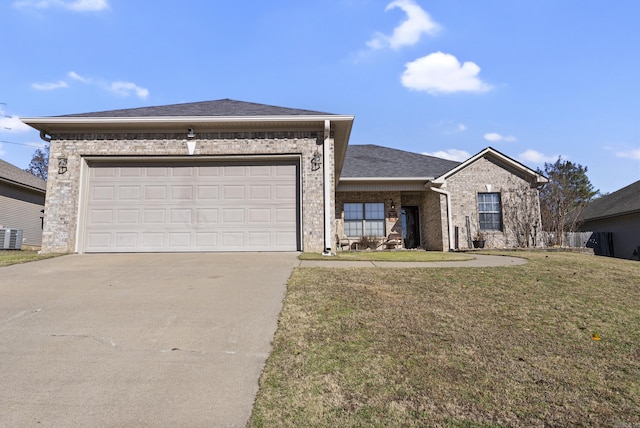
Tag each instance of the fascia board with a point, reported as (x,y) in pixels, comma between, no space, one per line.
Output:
(35,121)
(517,165)
(375,179)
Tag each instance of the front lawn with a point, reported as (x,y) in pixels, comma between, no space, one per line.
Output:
(13,257)
(390,256)
(555,342)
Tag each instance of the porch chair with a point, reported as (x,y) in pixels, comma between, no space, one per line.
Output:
(343,242)
(393,241)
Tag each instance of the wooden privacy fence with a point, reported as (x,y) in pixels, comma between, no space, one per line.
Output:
(570,239)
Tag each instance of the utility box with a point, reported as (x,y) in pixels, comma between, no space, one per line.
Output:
(10,239)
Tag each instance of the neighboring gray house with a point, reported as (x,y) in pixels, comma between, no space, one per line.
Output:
(234,176)
(21,201)
(617,214)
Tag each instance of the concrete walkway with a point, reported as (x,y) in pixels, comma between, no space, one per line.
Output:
(135,340)
(481,260)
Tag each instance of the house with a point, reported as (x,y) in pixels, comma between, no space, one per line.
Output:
(435,203)
(616,217)
(21,203)
(228,175)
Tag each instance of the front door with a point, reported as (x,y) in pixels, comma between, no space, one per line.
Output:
(411,227)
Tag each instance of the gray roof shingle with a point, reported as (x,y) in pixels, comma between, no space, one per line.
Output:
(370,160)
(223,108)
(12,173)
(623,201)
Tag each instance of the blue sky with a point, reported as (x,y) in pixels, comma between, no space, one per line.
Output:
(533,79)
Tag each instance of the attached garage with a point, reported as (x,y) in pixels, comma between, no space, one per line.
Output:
(221,175)
(182,206)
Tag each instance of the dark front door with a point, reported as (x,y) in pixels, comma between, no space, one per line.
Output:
(411,227)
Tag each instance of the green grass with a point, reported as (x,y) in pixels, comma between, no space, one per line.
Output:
(389,256)
(8,258)
(468,347)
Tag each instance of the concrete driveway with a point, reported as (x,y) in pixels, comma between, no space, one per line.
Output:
(137,339)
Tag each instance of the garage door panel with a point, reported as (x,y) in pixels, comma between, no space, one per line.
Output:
(206,207)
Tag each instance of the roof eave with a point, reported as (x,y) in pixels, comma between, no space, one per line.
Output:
(23,185)
(375,179)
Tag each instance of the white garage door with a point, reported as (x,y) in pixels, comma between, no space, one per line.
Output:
(192,207)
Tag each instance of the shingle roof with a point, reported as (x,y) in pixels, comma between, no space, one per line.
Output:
(225,107)
(16,175)
(370,160)
(623,201)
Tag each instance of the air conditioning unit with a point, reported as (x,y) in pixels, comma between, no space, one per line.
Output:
(10,239)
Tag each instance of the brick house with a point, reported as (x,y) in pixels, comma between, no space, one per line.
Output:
(435,203)
(21,201)
(234,176)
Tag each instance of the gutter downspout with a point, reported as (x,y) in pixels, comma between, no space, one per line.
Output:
(45,137)
(327,188)
(449,217)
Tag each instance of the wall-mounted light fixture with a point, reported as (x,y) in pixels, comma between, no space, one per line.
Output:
(191,133)
(62,165)
(392,211)
(316,161)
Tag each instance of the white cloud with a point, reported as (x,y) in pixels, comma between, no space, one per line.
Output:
(2,152)
(128,88)
(451,154)
(408,33)
(536,157)
(631,154)
(495,137)
(442,73)
(12,124)
(50,86)
(76,5)
(75,76)
(124,89)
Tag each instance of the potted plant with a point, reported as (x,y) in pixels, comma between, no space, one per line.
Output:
(479,240)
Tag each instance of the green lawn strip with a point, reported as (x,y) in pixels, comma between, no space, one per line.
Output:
(509,346)
(390,256)
(8,258)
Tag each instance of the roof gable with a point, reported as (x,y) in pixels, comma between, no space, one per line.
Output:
(12,174)
(372,161)
(494,154)
(218,108)
(623,201)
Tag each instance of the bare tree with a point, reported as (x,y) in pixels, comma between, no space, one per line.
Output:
(39,165)
(521,213)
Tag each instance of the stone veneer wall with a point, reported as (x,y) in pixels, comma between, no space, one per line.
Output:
(63,190)
(482,176)
(435,209)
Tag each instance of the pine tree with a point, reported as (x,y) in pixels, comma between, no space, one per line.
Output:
(564,197)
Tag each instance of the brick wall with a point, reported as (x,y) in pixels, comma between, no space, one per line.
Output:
(518,196)
(63,190)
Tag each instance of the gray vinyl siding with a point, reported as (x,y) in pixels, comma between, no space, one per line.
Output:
(20,209)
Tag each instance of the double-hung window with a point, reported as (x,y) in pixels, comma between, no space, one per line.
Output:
(490,211)
(364,219)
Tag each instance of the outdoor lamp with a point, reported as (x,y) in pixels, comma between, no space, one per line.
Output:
(62,165)
(316,161)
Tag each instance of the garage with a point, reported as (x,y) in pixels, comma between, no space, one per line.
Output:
(191,206)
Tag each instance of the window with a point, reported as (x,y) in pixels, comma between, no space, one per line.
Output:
(364,219)
(490,211)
